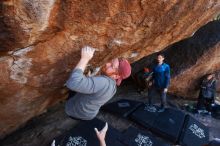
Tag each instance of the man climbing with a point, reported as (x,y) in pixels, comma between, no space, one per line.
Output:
(93,92)
(161,80)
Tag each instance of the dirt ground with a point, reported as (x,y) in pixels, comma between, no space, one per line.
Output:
(41,130)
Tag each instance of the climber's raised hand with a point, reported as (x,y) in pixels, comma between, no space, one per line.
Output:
(86,54)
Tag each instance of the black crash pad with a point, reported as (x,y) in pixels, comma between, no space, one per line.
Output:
(216,111)
(122,107)
(84,135)
(145,115)
(136,137)
(194,133)
(169,124)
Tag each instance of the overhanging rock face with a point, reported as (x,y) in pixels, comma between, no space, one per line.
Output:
(197,57)
(40,43)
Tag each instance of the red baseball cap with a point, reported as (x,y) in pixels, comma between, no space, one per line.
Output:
(124,70)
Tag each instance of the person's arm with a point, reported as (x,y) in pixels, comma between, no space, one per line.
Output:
(53,143)
(101,134)
(78,81)
(214,91)
(167,78)
(203,84)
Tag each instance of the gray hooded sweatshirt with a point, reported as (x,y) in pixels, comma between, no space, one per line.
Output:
(92,93)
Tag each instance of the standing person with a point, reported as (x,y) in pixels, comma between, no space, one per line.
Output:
(207,93)
(161,80)
(93,92)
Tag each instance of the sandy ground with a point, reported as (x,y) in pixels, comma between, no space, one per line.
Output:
(41,130)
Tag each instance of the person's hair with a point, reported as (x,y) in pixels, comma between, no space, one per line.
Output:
(161,54)
(211,74)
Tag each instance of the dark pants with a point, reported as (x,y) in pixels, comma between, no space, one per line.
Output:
(204,103)
(155,92)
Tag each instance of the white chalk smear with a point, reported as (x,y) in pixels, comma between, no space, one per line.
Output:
(21,65)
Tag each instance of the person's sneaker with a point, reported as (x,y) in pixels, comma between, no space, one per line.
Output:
(150,108)
(203,112)
(160,110)
(142,92)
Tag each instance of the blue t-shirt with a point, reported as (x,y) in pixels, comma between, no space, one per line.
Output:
(161,75)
